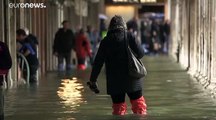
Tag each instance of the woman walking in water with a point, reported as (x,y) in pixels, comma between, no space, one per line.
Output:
(113,52)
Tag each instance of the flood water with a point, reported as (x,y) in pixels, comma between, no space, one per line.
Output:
(169,91)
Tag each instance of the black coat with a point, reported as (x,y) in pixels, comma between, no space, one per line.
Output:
(112,52)
(27,44)
(33,40)
(64,41)
(5,57)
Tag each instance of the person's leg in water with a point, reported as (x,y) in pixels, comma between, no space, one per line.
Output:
(81,64)
(138,103)
(24,73)
(151,47)
(33,73)
(119,106)
(60,63)
(68,62)
(1,98)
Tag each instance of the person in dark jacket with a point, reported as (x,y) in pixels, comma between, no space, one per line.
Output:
(132,26)
(5,61)
(155,34)
(5,65)
(103,29)
(32,39)
(167,36)
(113,53)
(27,49)
(63,44)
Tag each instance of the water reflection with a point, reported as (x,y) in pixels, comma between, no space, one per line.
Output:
(71,93)
(170,96)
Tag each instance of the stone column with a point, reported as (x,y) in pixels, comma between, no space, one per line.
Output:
(199,34)
(9,29)
(167,9)
(213,42)
(212,74)
(2,21)
(193,21)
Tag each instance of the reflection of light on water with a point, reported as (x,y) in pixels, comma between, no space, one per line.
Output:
(74,78)
(66,119)
(71,93)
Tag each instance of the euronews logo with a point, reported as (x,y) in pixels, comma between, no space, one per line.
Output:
(27,5)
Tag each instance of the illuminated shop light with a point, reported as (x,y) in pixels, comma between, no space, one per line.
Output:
(136,1)
(146,1)
(125,0)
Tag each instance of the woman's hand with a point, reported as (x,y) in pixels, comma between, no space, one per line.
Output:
(93,86)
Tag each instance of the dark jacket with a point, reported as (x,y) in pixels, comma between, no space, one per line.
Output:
(112,52)
(64,41)
(167,29)
(27,45)
(132,24)
(33,40)
(5,57)
(5,61)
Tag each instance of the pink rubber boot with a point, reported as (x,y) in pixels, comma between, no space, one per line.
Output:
(119,109)
(81,67)
(139,106)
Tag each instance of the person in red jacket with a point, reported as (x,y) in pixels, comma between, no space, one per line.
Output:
(82,49)
(5,65)
(5,61)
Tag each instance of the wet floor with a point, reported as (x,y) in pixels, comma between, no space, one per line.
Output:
(169,91)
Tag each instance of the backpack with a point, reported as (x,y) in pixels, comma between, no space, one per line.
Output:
(5,57)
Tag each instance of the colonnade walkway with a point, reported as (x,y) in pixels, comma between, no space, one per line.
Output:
(170,92)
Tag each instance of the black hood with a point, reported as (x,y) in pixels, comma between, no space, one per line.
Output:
(117,29)
(117,22)
(116,35)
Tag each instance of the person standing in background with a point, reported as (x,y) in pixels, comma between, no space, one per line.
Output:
(132,25)
(155,37)
(144,38)
(93,36)
(82,49)
(161,36)
(90,35)
(103,29)
(63,44)
(167,36)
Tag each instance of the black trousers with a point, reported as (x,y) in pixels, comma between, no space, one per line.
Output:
(120,98)
(1,80)
(81,61)
(67,57)
(33,73)
(1,98)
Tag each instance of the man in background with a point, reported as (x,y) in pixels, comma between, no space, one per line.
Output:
(25,46)
(132,25)
(63,44)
